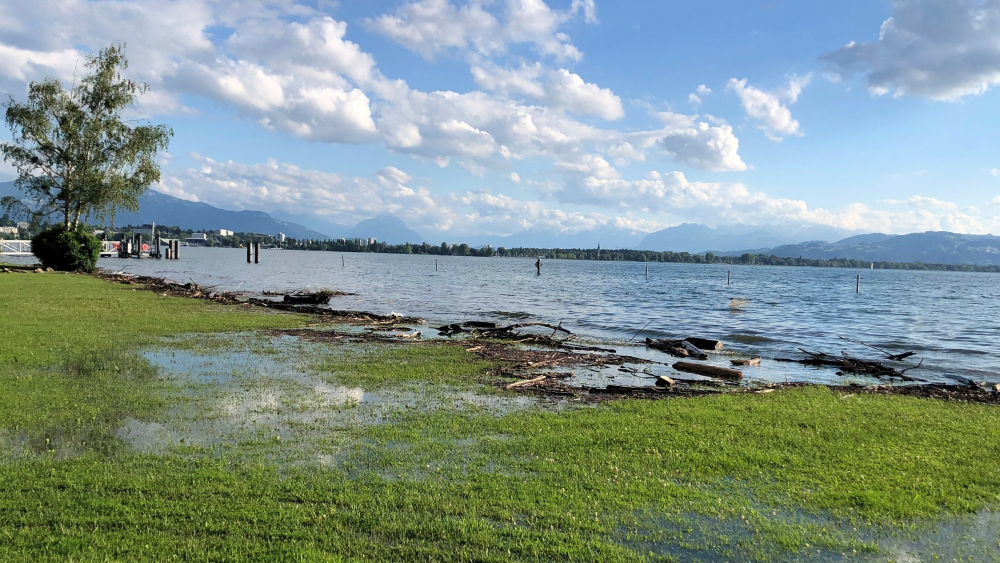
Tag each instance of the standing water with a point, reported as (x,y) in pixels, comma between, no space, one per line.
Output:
(949,318)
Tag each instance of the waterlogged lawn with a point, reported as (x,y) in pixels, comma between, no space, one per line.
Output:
(272,456)
(390,365)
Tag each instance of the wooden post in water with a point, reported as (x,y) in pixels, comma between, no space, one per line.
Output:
(857,289)
(647,272)
(249,253)
(177,249)
(729,277)
(435,264)
(256,253)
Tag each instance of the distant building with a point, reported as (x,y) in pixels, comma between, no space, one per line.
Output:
(8,230)
(23,225)
(197,239)
(148,231)
(225,233)
(281,237)
(371,242)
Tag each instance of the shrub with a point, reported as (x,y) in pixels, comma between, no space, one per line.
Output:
(66,250)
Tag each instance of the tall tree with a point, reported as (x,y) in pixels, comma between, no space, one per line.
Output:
(76,156)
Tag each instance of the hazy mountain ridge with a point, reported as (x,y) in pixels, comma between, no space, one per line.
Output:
(938,247)
(932,247)
(695,238)
(385,228)
(168,210)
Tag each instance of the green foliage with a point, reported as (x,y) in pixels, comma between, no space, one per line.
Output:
(388,365)
(74,153)
(66,250)
(791,475)
(52,317)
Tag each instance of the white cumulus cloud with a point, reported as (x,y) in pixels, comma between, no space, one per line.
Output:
(770,109)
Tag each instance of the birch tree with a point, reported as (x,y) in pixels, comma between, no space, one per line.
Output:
(76,156)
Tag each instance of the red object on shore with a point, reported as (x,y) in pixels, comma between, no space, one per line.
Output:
(116,245)
(145,248)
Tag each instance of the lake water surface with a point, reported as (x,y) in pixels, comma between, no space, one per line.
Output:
(951,319)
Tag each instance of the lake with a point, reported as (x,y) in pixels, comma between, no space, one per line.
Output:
(949,318)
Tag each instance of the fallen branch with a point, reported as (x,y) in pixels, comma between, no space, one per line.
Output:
(889,355)
(708,370)
(527,382)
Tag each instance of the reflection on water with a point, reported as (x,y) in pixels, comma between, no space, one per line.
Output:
(240,391)
(949,318)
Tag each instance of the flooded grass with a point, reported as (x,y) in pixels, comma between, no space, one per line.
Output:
(240,445)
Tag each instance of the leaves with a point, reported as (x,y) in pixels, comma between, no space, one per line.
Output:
(74,153)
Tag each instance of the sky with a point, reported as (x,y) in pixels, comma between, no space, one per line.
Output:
(493,117)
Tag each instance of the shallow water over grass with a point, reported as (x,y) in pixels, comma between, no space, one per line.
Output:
(377,411)
(244,392)
(254,447)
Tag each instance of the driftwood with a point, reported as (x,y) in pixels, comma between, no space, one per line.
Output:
(705,343)
(525,382)
(321,297)
(664,381)
(708,370)
(643,391)
(889,355)
(853,366)
(755,361)
(678,348)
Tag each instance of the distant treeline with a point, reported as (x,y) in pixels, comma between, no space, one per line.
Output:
(747,259)
(624,255)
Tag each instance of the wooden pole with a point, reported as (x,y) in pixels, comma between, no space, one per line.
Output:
(177,249)
(343,263)
(647,272)
(256,253)
(249,253)
(435,264)
(857,288)
(729,277)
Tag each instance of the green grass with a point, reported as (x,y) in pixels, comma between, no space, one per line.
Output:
(68,369)
(758,477)
(48,317)
(390,365)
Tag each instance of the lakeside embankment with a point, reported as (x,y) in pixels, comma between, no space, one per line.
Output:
(141,426)
(946,317)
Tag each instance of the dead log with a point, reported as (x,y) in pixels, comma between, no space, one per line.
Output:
(705,343)
(677,348)
(664,381)
(755,361)
(309,298)
(479,324)
(588,348)
(527,382)
(708,370)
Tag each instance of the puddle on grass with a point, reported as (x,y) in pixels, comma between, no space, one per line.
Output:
(245,394)
(784,536)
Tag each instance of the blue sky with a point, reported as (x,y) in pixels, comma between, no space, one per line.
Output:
(494,117)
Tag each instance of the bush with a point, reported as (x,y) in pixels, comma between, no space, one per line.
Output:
(66,250)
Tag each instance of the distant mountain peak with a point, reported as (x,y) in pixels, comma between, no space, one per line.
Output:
(386,228)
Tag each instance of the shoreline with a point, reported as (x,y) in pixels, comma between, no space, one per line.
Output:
(503,347)
(264,435)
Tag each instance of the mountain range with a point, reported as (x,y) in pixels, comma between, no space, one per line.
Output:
(781,240)
(937,247)
(168,210)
